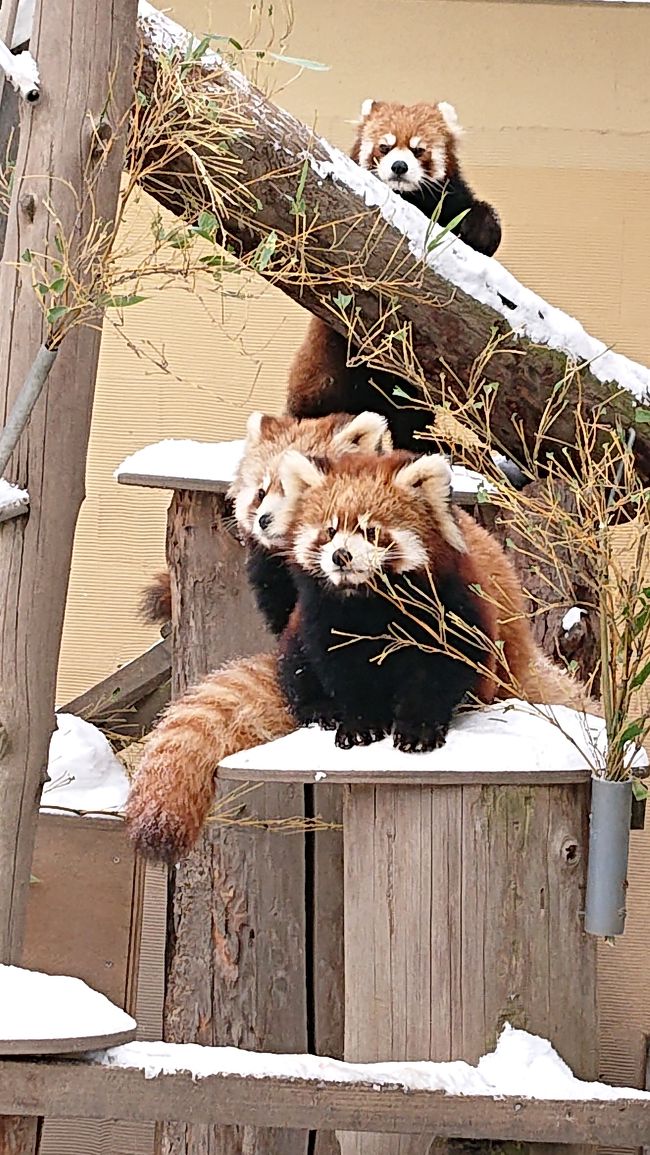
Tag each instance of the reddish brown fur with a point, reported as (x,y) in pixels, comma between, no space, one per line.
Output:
(405,121)
(156,600)
(238,706)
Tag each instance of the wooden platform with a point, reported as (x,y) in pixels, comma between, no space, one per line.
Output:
(88,1090)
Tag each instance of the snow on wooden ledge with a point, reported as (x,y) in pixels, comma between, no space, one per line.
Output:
(212,466)
(510,741)
(43,1009)
(521,1064)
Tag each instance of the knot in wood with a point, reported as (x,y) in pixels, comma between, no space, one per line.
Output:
(4,739)
(28,206)
(571,853)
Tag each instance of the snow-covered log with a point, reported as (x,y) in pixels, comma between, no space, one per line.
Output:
(453,299)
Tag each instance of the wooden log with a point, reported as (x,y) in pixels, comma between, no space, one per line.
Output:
(85,66)
(88,1090)
(463,912)
(236,969)
(353,251)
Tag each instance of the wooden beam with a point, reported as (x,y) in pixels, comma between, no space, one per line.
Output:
(88,1090)
(350,249)
(128,700)
(62,184)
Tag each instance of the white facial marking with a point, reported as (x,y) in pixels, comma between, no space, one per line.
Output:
(414,142)
(243,507)
(365,560)
(304,546)
(364,521)
(412,554)
(438,163)
(389,138)
(365,153)
(410,176)
(366,107)
(274,509)
(266,481)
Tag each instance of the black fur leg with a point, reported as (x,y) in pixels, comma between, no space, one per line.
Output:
(419,737)
(273,586)
(481,229)
(358,734)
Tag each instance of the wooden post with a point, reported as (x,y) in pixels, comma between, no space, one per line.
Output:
(463,900)
(463,912)
(85,58)
(236,947)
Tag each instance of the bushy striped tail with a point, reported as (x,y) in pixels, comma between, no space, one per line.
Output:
(238,706)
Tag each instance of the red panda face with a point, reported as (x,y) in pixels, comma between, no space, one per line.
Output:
(363,517)
(407,146)
(261,508)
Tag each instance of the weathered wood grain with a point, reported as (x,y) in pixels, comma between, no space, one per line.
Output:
(236,970)
(63,183)
(86,1090)
(463,912)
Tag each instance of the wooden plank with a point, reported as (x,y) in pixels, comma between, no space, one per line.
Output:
(83,866)
(236,966)
(342,776)
(462,912)
(163,481)
(87,1090)
(130,698)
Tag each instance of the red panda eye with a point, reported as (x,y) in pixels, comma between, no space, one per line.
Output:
(372,532)
(261,494)
(384,149)
(331,532)
(417,151)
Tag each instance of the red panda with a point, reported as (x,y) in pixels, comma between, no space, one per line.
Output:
(413,150)
(240,705)
(381,556)
(257,501)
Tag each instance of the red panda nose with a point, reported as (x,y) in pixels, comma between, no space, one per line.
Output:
(342,558)
(399,167)
(264,521)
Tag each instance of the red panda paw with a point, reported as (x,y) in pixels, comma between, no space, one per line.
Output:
(419,738)
(481,228)
(349,736)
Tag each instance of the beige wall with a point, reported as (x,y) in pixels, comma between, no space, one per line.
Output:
(555,99)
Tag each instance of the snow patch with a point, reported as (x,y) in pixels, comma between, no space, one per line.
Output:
(523,1064)
(483,278)
(572,617)
(12,500)
(511,736)
(38,1006)
(85,774)
(192,461)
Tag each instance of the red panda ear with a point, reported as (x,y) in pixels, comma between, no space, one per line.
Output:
(450,117)
(261,425)
(365,433)
(254,428)
(431,476)
(369,106)
(298,474)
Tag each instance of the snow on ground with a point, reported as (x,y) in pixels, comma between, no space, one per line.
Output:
(218,462)
(39,1006)
(196,461)
(12,499)
(481,277)
(522,1064)
(85,774)
(508,737)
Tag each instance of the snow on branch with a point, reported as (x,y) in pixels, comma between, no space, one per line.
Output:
(334,238)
